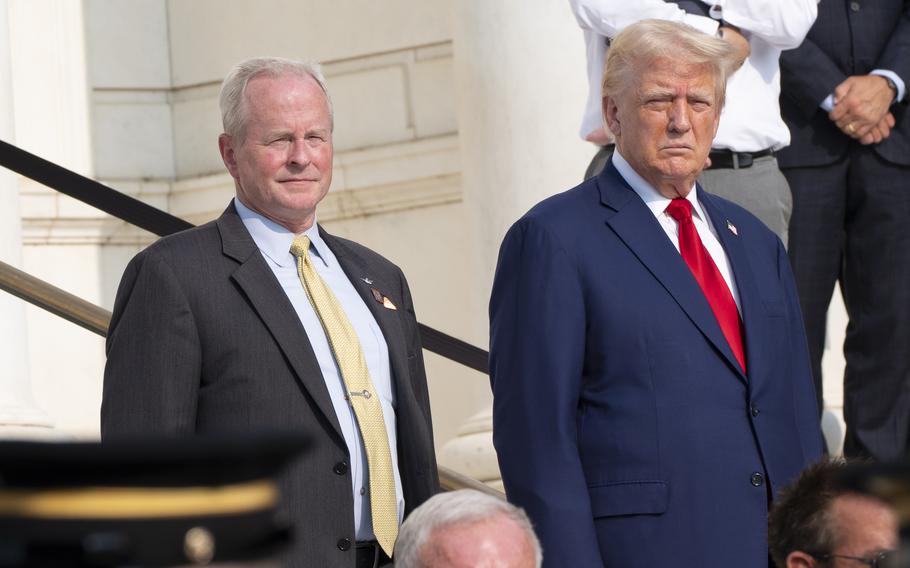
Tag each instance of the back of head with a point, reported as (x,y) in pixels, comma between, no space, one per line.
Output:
(423,533)
(642,43)
(234,85)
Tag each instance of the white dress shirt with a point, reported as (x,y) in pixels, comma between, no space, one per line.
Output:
(274,242)
(657,203)
(751,119)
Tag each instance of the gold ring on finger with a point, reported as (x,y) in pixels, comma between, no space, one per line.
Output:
(851,129)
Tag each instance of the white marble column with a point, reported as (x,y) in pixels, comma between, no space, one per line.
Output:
(521,87)
(19,415)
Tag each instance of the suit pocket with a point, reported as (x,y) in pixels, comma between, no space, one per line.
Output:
(629,498)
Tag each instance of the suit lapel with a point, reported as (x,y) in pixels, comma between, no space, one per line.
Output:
(389,320)
(258,282)
(634,223)
(753,313)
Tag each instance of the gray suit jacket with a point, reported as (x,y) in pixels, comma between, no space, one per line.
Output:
(204,340)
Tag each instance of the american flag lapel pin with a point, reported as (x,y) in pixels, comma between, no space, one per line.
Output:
(732,228)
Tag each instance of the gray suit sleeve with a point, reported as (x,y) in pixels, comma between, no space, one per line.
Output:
(152,375)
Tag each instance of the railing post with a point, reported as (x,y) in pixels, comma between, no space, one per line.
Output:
(19,414)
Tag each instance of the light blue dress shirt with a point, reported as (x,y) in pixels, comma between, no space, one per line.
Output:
(274,242)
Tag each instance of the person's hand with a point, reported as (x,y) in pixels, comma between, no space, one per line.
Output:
(734,37)
(880,131)
(860,104)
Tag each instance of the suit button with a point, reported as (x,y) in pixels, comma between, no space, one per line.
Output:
(344,544)
(754,411)
(341,468)
(854,6)
(757,479)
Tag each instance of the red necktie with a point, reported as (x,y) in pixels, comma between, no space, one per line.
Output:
(709,278)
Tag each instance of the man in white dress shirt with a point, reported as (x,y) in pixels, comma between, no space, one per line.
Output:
(743,168)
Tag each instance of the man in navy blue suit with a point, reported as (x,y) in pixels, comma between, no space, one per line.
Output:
(650,372)
(844,98)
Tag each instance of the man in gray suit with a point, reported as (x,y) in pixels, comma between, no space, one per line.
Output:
(260,321)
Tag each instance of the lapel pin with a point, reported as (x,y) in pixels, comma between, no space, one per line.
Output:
(732,228)
(384,300)
(367,280)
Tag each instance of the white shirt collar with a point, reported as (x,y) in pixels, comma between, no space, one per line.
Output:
(656,202)
(275,240)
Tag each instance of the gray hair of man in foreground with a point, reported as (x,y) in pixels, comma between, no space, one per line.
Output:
(231,101)
(462,508)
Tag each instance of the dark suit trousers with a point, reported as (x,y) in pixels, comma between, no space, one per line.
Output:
(851,222)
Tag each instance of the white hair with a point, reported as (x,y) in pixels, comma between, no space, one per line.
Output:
(462,507)
(231,100)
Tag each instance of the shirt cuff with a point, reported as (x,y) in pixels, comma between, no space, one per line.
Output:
(828,103)
(901,88)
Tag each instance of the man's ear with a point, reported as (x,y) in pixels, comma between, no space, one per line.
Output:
(611,115)
(226,147)
(799,559)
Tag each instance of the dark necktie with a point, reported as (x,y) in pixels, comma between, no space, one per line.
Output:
(709,278)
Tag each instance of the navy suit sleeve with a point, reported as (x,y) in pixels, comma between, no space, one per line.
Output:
(537,326)
(152,375)
(805,405)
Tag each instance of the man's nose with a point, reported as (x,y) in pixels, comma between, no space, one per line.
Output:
(679,116)
(299,154)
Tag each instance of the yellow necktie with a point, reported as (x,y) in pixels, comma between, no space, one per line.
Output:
(361,394)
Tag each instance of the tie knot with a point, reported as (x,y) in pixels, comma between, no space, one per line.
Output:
(300,246)
(680,209)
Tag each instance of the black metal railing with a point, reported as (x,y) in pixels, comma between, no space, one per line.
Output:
(161,223)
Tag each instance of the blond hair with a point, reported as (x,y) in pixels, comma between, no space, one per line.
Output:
(646,41)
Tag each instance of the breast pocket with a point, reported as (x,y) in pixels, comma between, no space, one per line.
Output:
(629,498)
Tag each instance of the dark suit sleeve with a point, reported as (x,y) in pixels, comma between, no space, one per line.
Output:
(810,75)
(537,326)
(896,55)
(152,375)
(804,400)
(421,392)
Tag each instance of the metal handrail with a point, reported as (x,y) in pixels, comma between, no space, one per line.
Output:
(58,302)
(97,320)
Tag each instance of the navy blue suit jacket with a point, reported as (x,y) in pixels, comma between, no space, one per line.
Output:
(622,422)
(843,42)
